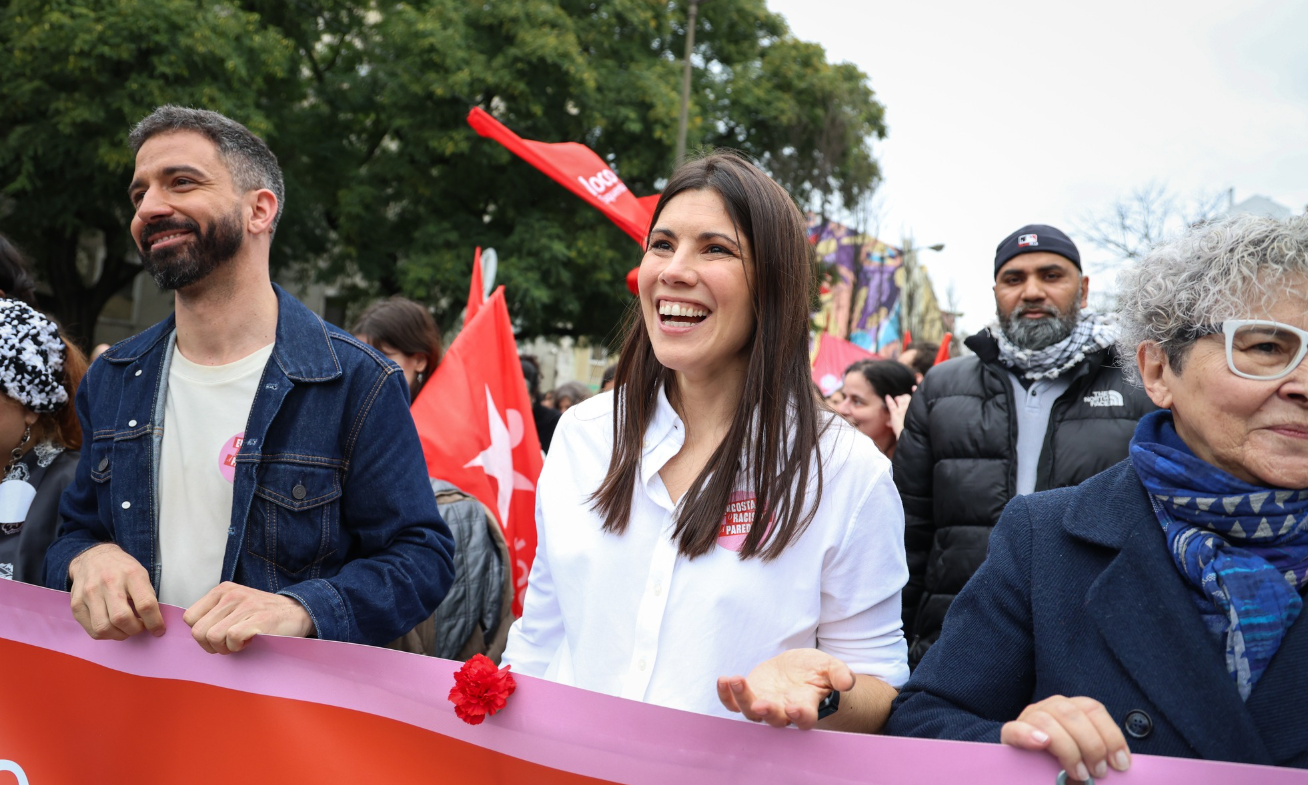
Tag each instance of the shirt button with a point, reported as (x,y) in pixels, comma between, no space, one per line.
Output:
(299,492)
(138,372)
(641,664)
(127,505)
(658,588)
(131,423)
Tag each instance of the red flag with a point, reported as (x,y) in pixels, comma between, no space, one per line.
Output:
(834,355)
(943,353)
(475,423)
(577,168)
(476,289)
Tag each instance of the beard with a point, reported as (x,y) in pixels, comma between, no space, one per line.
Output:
(1036,334)
(180,266)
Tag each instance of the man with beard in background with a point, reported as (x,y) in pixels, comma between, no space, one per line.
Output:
(249,462)
(1041,404)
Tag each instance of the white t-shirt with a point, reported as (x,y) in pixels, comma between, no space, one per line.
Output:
(627,615)
(205,412)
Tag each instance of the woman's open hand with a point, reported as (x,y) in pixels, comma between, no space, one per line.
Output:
(787,688)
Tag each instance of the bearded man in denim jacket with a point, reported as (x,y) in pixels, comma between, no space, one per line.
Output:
(246,460)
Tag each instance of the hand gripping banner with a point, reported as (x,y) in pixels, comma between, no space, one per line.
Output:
(287,710)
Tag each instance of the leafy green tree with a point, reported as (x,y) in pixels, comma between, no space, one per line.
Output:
(388,188)
(74,78)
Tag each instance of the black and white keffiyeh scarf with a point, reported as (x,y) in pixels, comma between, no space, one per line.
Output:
(1092,332)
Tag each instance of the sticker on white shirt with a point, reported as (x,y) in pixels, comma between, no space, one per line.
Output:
(227,456)
(738,521)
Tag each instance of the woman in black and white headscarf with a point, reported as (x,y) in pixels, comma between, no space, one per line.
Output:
(39,435)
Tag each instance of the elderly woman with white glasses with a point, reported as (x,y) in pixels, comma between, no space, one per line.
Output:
(1153,609)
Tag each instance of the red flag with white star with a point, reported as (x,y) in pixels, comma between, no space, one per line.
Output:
(475,423)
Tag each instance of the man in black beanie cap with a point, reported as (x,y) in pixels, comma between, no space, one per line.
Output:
(1041,404)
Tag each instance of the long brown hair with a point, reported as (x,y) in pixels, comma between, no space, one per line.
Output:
(62,426)
(406,326)
(777,419)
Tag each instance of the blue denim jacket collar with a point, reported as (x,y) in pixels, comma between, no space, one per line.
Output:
(303,351)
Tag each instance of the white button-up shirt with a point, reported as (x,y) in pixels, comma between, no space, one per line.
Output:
(627,615)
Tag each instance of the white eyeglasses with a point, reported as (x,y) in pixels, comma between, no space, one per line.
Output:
(1259,349)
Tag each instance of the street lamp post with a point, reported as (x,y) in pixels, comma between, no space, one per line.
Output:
(692,13)
(908,295)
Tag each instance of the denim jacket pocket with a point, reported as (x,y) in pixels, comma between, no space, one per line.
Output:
(102,460)
(291,525)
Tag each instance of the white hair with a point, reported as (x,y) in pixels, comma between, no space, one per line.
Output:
(1233,267)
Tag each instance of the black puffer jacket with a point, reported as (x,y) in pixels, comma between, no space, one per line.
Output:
(956,465)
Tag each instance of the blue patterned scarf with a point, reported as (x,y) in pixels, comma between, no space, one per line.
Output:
(1244,548)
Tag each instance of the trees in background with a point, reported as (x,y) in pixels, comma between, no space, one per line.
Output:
(365,103)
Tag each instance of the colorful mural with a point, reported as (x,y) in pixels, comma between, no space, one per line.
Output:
(860,300)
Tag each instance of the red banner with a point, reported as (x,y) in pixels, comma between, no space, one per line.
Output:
(290,710)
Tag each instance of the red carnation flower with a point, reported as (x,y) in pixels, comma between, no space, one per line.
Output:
(480,689)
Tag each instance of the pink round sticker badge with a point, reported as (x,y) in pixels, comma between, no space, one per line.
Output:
(227,456)
(737,522)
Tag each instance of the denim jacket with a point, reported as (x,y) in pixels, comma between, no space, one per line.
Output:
(331,504)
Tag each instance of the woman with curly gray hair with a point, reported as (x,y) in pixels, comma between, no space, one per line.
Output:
(1161,595)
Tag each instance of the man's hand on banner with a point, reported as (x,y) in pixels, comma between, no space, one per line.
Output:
(1078,731)
(112,597)
(224,620)
(787,688)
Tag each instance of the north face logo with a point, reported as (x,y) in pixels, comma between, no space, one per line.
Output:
(1105,398)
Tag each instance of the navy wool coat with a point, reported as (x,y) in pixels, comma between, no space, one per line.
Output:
(1080,596)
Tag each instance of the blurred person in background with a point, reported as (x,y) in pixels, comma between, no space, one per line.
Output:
(876,394)
(569,395)
(920,356)
(39,433)
(16,281)
(606,383)
(405,332)
(1041,404)
(545,415)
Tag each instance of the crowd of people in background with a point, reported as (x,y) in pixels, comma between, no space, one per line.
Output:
(1088,536)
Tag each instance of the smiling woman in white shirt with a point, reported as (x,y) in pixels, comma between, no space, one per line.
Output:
(651,581)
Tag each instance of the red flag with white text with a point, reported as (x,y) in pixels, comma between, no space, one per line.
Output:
(579,169)
(475,423)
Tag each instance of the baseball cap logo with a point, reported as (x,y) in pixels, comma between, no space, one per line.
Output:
(1027,239)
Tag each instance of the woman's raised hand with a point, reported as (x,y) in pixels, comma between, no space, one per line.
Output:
(898,406)
(1079,732)
(787,688)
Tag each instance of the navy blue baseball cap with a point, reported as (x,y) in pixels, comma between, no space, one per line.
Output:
(1036,237)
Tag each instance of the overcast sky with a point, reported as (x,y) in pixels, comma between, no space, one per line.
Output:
(1007,113)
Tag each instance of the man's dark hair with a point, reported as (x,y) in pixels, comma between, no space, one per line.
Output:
(531,374)
(925,357)
(16,273)
(608,375)
(252,165)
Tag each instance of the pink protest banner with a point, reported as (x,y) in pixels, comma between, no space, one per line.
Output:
(74,710)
